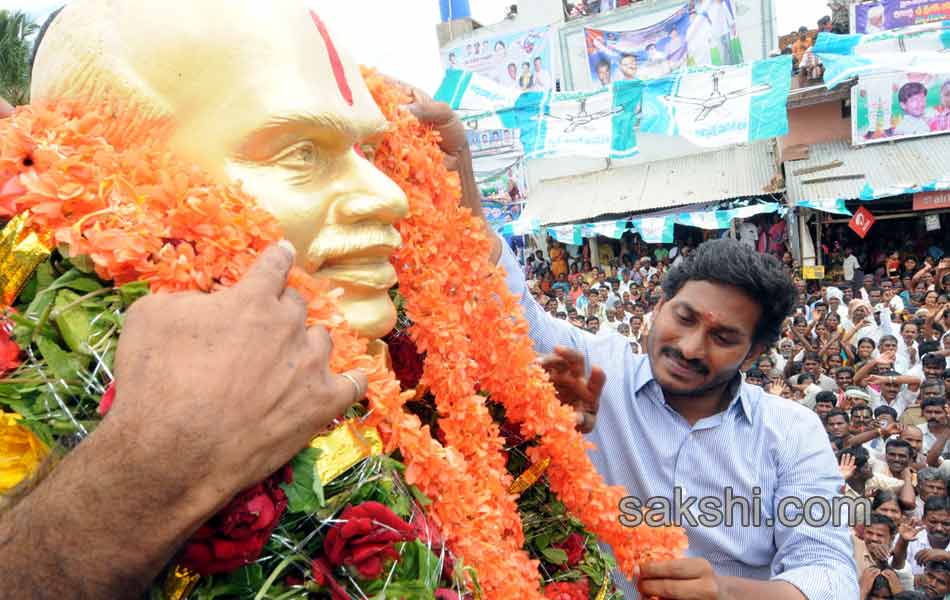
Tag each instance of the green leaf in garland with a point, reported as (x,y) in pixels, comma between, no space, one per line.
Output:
(74,323)
(302,496)
(555,556)
(131,292)
(64,365)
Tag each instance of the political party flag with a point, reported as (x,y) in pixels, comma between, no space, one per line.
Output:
(611,229)
(567,234)
(917,49)
(718,106)
(655,230)
(861,222)
(598,124)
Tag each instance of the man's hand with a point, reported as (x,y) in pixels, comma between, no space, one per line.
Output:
(685,578)
(567,372)
(880,554)
(214,392)
(928,554)
(224,388)
(909,529)
(846,466)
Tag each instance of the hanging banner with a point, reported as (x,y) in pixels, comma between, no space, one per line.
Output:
(598,124)
(611,229)
(883,15)
(522,226)
(722,219)
(510,185)
(917,49)
(704,36)
(893,106)
(494,141)
(499,213)
(834,206)
(655,230)
(520,61)
(567,234)
(718,106)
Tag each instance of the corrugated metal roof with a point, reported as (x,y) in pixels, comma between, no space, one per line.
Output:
(708,177)
(902,164)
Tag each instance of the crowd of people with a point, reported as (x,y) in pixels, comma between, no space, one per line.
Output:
(867,351)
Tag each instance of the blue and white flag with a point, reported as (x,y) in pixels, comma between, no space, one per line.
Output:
(834,206)
(655,230)
(522,226)
(917,49)
(567,234)
(719,106)
(611,229)
(598,124)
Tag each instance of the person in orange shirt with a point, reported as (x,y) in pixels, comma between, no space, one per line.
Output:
(801,44)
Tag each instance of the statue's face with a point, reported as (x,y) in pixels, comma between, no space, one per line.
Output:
(264,97)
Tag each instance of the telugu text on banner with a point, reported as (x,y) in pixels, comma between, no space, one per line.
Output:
(883,15)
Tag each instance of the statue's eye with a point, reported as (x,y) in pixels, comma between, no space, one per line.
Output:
(302,155)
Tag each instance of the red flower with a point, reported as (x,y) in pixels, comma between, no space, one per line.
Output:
(9,350)
(236,536)
(107,399)
(446,594)
(323,575)
(366,538)
(568,590)
(407,362)
(574,546)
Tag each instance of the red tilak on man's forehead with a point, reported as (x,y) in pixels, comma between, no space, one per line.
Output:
(335,61)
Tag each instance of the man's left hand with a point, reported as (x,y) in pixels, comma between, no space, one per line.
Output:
(681,579)
(574,387)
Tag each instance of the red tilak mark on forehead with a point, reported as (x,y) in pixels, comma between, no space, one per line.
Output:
(335,61)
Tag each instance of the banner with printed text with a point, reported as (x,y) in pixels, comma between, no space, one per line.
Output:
(705,35)
(598,124)
(520,60)
(882,15)
(915,49)
(718,106)
(893,106)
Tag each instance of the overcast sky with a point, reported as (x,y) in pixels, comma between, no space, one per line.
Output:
(399,37)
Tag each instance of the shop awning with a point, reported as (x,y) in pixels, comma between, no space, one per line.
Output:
(735,172)
(834,171)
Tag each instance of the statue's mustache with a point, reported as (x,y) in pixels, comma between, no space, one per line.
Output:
(368,240)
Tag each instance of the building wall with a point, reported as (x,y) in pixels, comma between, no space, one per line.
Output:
(816,124)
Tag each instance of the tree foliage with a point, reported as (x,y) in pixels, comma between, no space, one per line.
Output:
(15,28)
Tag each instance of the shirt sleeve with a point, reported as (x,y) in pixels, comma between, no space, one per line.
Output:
(818,560)
(547,332)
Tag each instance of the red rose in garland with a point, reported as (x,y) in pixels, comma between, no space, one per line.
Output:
(574,547)
(407,362)
(107,399)
(9,350)
(237,534)
(568,590)
(365,538)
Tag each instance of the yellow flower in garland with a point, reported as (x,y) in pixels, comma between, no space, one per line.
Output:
(21,452)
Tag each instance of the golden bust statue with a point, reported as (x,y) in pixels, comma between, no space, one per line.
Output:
(258,92)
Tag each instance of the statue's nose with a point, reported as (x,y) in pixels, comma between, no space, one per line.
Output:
(370,197)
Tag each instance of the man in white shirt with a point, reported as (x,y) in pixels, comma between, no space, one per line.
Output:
(748,233)
(850,266)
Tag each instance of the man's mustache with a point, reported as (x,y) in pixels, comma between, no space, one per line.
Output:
(337,241)
(694,364)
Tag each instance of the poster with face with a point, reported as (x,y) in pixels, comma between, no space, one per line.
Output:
(703,33)
(520,60)
(892,106)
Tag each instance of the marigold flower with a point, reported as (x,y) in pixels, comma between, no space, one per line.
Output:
(21,452)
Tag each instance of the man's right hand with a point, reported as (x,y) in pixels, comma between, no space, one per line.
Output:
(222,389)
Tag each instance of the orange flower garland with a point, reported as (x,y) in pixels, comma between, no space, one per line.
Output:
(453,261)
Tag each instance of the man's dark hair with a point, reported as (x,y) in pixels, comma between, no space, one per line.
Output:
(603,63)
(860,408)
(933,361)
(859,453)
(879,519)
(933,402)
(755,372)
(803,376)
(812,356)
(910,596)
(837,412)
(841,370)
(885,410)
(42,34)
(909,90)
(760,276)
(826,398)
(899,443)
(935,503)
